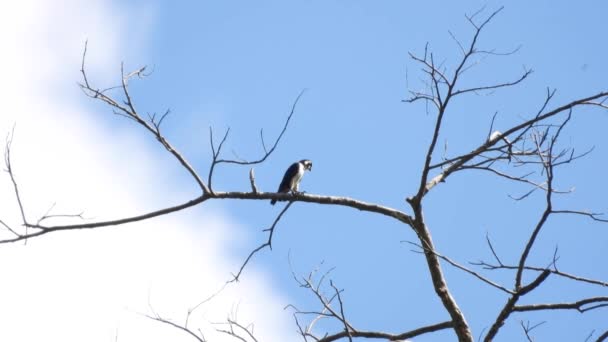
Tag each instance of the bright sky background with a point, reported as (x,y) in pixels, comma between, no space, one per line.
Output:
(240,64)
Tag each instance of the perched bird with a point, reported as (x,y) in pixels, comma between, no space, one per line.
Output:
(293,176)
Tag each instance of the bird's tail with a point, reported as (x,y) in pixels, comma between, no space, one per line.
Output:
(273,201)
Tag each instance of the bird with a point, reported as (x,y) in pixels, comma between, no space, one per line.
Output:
(293,176)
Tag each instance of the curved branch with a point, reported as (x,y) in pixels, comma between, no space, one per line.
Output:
(48,229)
(495,86)
(177,326)
(268,243)
(274,146)
(319,199)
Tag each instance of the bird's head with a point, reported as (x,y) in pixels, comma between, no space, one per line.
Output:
(307,164)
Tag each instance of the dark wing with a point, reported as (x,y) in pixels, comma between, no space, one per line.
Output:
(289,175)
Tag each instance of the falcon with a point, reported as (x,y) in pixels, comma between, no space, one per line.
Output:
(293,176)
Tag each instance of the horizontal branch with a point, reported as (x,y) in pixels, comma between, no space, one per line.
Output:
(542,269)
(319,199)
(494,86)
(126,220)
(579,305)
(387,336)
(299,197)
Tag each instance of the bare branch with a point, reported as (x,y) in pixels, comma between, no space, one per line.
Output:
(521,179)
(268,243)
(232,332)
(528,329)
(9,170)
(9,228)
(216,153)
(581,305)
(492,249)
(603,337)
(523,127)
(342,317)
(495,86)
(276,142)
(177,326)
(254,188)
(128,110)
(467,270)
(299,197)
(390,337)
(542,269)
(591,215)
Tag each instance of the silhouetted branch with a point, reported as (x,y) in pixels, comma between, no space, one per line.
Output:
(541,269)
(273,147)
(127,109)
(463,268)
(603,337)
(528,328)
(329,312)
(593,216)
(268,243)
(215,153)
(495,86)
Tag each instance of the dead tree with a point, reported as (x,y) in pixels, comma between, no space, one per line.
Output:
(533,145)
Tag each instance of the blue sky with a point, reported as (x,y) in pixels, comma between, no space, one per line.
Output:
(241,64)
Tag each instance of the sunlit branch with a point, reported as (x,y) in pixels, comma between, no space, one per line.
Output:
(178,327)
(390,337)
(581,305)
(237,334)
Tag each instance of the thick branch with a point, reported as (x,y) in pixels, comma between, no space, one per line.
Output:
(299,197)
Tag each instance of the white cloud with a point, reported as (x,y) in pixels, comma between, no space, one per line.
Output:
(88,285)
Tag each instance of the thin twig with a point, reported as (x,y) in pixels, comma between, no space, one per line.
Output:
(268,243)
